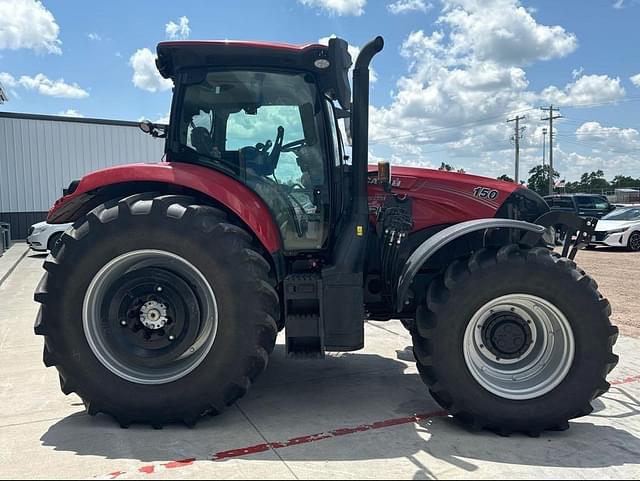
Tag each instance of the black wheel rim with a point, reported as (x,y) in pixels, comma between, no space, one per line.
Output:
(150,317)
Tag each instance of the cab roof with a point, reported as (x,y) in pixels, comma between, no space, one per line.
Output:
(177,55)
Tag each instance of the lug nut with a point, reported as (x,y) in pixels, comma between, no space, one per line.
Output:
(159,288)
(172,338)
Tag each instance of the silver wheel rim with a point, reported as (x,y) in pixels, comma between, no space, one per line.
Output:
(634,241)
(536,372)
(96,334)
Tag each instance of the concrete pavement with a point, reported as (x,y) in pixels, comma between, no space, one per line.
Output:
(358,415)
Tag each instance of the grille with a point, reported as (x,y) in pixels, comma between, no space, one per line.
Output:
(601,236)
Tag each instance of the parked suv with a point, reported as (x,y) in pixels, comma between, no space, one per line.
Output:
(583,205)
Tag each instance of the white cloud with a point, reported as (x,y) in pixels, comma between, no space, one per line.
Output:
(467,75)
(503,31)
(145,73)
(636,80)
(164,119)
(178,31)
(71,113)
(7,80)
(338,7)
(28,24)
(613,138)
(587,90)
(94,37)
(406,6)
(53,88)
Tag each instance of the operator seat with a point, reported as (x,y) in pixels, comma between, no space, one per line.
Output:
(203,143)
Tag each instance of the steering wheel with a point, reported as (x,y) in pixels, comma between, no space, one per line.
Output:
(296,144)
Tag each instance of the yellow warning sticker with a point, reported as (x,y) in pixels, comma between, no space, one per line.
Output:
(360,231)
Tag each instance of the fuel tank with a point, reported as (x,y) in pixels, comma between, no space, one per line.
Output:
(441,197)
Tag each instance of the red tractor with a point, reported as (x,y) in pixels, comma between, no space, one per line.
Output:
(163,301)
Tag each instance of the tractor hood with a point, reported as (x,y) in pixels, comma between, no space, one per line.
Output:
(445,198)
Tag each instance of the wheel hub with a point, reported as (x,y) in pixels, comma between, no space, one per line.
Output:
(507,335)
(153,315)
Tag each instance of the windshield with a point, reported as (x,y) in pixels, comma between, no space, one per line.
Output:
(263,128)
(624,214)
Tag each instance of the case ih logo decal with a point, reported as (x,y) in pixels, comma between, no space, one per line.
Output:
(395,181)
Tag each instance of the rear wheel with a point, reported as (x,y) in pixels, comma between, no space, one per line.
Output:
(157,310)
(515,340)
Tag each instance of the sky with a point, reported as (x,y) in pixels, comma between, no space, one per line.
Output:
(451,74)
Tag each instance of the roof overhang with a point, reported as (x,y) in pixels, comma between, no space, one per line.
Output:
(329,64)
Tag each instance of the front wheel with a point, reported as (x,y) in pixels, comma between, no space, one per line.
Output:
(634,242)
(515,340)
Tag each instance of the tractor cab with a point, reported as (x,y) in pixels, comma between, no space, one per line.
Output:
(266,115)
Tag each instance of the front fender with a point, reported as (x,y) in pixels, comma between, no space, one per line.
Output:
(432,245)
(229,192)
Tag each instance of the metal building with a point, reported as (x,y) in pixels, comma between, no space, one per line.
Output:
(40,155)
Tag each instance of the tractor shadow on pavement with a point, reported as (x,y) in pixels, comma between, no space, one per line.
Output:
(302,398)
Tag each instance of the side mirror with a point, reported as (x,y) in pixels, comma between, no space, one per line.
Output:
(156,131)
(146,126)
(341,63)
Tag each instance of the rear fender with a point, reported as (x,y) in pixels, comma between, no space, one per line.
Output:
(210,183)
(431,246)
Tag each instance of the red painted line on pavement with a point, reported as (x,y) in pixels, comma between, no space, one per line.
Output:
(179,464)
(261,448)
(626,380)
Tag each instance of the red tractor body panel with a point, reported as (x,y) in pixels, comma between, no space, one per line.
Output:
(441,197)
(238,198)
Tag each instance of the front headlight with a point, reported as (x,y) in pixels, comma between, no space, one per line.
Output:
(38,230)
(617,231)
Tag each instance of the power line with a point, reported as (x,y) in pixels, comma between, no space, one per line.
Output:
(452,127)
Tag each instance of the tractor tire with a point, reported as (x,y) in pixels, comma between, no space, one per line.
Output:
(157,310)
(515,340)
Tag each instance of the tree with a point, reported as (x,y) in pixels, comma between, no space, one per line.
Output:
(506,178)
(539,179)
(445,167)
(449,168)
(624,181)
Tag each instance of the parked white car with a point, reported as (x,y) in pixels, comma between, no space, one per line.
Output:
(43,236)
(620,228)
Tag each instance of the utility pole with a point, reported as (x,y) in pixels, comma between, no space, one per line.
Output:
(544,145)
(551,118)
(516,137)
